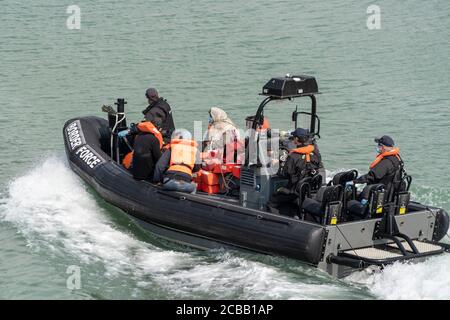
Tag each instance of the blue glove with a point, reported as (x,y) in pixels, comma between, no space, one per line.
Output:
(349,183)
(122,134)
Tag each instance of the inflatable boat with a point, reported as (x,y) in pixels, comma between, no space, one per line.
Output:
(324,232)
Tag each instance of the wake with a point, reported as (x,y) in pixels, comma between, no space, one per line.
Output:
(54,211)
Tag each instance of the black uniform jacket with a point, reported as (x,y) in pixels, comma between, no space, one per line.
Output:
(161,110)
(296,168)
(146,155)
(384,172)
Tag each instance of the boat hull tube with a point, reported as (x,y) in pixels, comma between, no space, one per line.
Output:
(211,221)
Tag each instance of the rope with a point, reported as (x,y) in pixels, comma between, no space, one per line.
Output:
(114,129)
(345,238)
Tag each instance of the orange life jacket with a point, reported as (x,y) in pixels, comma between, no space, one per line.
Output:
(264,126)
(381,156)
(128,160)
(183,155)
(307,151)
(149,127)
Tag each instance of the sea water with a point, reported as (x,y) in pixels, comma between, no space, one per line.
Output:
(388,80)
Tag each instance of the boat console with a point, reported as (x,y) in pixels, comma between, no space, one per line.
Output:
(266,150)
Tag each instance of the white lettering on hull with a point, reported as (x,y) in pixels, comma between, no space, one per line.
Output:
(75,135)
(89,156)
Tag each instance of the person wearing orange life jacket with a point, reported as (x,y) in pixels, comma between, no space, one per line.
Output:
(302,161)
(177,164)
(385,166)
(148,142)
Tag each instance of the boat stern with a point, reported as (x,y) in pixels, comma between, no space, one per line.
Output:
(356,245)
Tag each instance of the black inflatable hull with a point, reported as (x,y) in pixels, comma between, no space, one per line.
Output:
(198,220)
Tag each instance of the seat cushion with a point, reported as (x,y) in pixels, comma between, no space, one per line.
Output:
(341,178)
(356,209)
(312,207)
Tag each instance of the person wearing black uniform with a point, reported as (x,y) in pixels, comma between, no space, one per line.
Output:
(387,163)
(303,161)
(148,142)
(159,108)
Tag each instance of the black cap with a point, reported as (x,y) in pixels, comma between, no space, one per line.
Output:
(300,133)
(151,93)
(385,141)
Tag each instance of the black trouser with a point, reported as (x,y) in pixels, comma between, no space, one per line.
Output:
(284,204)
(143,157)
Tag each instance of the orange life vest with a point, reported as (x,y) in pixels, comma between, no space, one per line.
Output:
(381,156)
(307,151)
(128,160)
(265,125)
(183,155)
(149,127)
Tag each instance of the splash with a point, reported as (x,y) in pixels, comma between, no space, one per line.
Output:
(51,207)
(426,280)
(49,204)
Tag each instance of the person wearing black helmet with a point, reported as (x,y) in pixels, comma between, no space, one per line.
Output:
(159,108)
(304,160)
(385,166)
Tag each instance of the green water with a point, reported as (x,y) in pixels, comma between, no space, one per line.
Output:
(199,54)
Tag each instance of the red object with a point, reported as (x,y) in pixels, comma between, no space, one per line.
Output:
(198,179)
(210,178)
(211,189)
(198,176)
(223,168)
(236,171)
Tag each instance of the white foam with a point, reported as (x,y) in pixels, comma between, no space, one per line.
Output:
(236,277)
(51,207)
(426,280)
(51,203)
